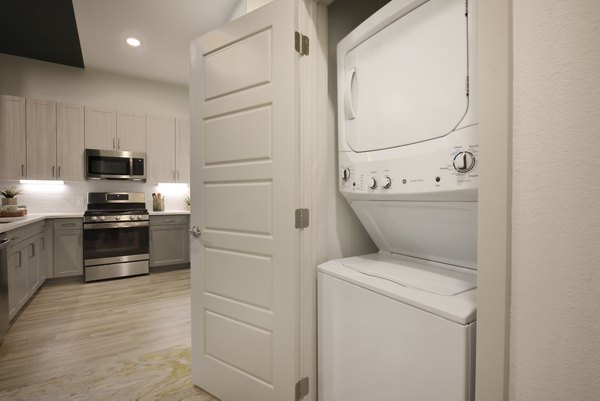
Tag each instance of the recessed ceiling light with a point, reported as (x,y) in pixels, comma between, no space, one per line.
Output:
(133,42)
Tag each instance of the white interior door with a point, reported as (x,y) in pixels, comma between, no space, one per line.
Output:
(245,187)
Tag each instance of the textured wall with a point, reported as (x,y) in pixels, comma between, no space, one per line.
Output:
(555,318)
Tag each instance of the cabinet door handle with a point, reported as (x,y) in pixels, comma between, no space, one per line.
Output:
(20,261)
(52,171)
(32,254)
(177,174)
(22,170)
(58,171)
(67,224)
(114,143)
(168,220)
(80,239)
(118,143)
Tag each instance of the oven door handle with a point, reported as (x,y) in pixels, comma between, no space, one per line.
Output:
(100,226)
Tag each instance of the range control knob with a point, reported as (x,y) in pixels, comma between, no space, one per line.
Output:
(372,183)
(117,218)
(464,162)
(139,217)
(387,182)
(94,218)
(132,217)
(102,218)
(346,174)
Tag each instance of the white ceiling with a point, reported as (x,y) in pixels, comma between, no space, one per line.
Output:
(165,28)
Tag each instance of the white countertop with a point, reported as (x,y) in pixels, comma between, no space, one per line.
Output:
(33,217)
(169,212)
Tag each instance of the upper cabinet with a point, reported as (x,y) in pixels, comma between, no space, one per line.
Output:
(13,151)
(168,151)
(41,139)
(182,150)
(108,129)
(160,140)
(69,141)
(131,131)
(100,128)
(54,141)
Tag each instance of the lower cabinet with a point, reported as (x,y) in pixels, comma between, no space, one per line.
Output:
(26,265)
(169,240)
(68,252)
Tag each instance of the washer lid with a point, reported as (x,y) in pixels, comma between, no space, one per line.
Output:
(415,275)
(407,82)
(443,290)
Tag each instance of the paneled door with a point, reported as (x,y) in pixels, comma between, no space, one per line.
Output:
(13,151)
(160,145)
(131,131)
(69,141)
(100,128)
(245,188)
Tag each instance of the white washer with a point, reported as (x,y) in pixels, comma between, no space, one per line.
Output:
(399,325)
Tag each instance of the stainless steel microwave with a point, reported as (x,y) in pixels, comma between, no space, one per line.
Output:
(114,165)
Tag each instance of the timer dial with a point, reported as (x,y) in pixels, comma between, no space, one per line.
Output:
(464,162)
(387,182)
(372,183)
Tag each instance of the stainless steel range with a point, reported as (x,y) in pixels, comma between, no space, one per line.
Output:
(116,232)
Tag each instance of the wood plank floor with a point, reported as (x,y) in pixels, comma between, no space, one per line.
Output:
(70,328)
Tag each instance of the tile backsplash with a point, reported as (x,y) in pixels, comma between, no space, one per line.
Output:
(72,196)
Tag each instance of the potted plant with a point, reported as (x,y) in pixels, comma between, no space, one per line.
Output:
(188,202)
(10,198)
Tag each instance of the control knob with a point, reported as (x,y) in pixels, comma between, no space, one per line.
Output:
(94,218)
(102,218)
(346,174)
(139,217)
(117,218)
(387,182)
(464,162)
(132,217)
(372,183)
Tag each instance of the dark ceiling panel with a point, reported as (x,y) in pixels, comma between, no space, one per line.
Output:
(40,29)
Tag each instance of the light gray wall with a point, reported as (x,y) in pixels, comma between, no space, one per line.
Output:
(21,76)
(345,235)
(555,313)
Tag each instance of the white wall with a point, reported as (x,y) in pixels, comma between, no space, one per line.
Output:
(32,78)
(254,4)
(27,77)
(555,313)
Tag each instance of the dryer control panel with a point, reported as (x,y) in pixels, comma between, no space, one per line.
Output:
(443,169)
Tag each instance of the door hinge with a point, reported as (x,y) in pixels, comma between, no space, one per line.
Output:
(301,43)
(302,218)
(467,85)
(301,388)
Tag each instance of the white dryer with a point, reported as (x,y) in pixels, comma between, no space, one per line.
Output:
(399,325)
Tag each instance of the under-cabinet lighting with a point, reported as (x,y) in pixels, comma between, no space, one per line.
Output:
(42,182)
(133,42)
(173,188)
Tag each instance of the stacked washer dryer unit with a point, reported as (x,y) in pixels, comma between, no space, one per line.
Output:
(399,325)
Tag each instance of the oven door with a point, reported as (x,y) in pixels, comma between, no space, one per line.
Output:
(107,243)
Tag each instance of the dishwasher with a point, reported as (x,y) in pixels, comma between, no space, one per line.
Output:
(3,287)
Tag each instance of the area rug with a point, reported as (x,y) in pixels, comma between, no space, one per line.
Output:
(163,375)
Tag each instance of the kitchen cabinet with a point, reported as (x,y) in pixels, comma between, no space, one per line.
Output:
(41,139)
(100,128)
(54,140)
(13,150)
(182,150)
(169,240)
(18,288)
(68,247)
(131,131)
(108,130)
(160,142)
(69,142)
(26,264)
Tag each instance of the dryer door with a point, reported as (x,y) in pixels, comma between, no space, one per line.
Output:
(407,82)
